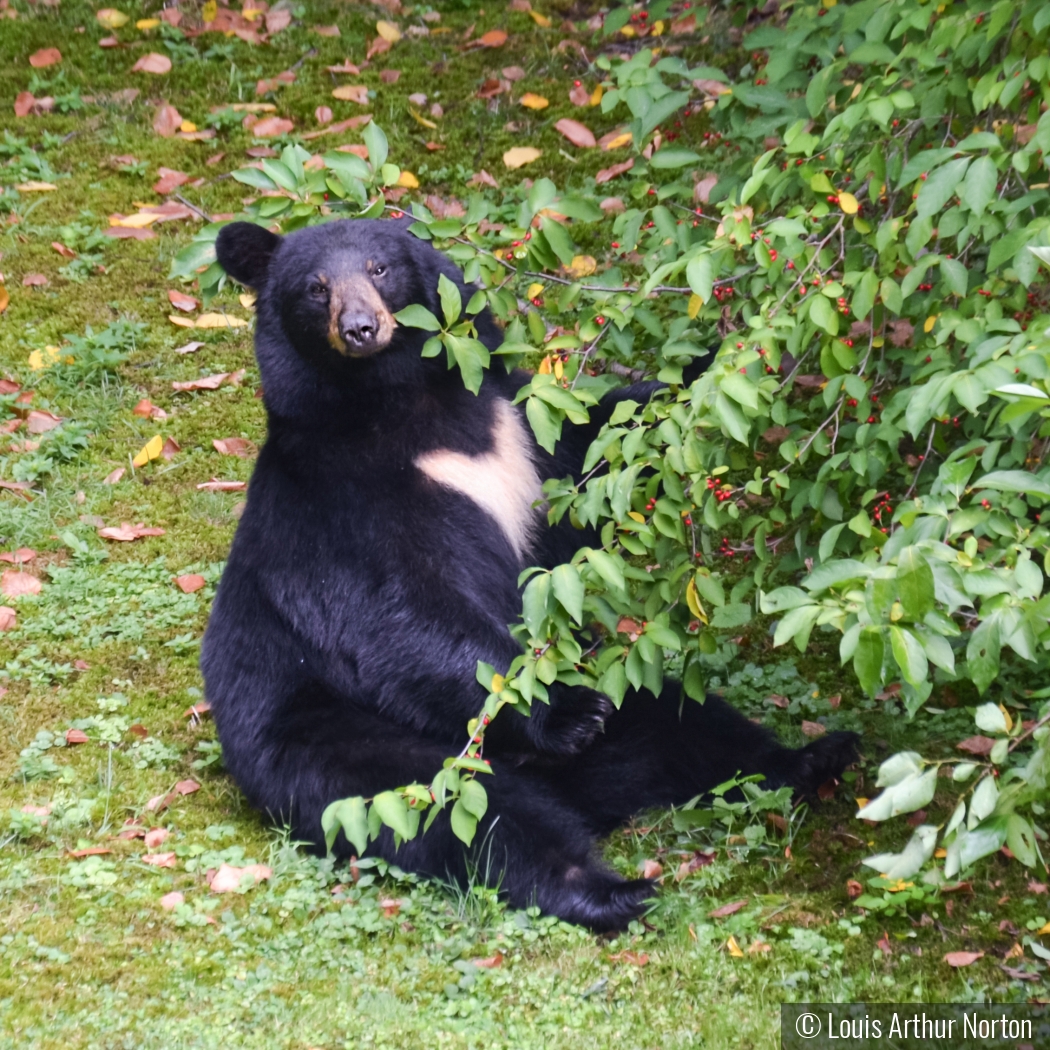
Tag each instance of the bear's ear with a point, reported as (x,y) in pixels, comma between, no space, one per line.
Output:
(244,251)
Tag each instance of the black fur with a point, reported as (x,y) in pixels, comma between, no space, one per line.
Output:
(359,596)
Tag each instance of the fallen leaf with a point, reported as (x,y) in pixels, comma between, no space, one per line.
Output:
(518,156)
(34,280)
(388,31)
(130,233)
(35,186)
(1038,888)
(228,878)
(533,101)
(634,958)
(198,710)
(581,266)
(151,450)
(159,860)
(125,533)
(269,127)
(616,139)
(8,618)
(351,93)
(166,121)
(190,583)
(152,63)
(513,73)
(47,56)
(91,851)
(853,889)
(114,476)
(38,422)
(976,745)
(24,102)
(171,447)
(182,301)
(36,811)
(189,348)
(170,901)
(483,178)
(76,736)
(695,863)
(727,909)
(235,446)
(329,31)
(883,944)
(702,190)
(215,485)
(213,320)
(22,556)
(652,869)
(323,115)
(493,38)
(813,729)
(578,134)
(408,180)
(490,963)
(169,181)
(390,907)
(278,19)
(155,836)
(66,253)
(111,18)
(958,959)
(541,20)
(712,87)
(734,949)
(187,787)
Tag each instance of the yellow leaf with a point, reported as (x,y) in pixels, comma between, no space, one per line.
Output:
(559,369)
(848,203)
(497,683)
(899,886)
(861,802)
(534,289)
(930,322)
(533,101)
(40,359)
(628,31)
(352,93)
(187,125)
(1043,930)
(138,221)
(596,96)
(940,853)
(219,321)
(734,949)
(635,516)
(251,13)
(408,180)
(151,450)
(420,119)
(388,31)
(246,300)
(111,18)
(618,142)
(695,302)
(692,599)
(540,20)
(147,23)
(582,266)
(5,298)
(1009,719)
(182,322)
(545,366)
(657,29)
(520,155)
(33,186)
(209,11)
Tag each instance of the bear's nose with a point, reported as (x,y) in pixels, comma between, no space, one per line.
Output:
(359,327)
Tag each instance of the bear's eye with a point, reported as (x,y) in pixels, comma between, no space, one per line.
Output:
(318,289)
(378,271)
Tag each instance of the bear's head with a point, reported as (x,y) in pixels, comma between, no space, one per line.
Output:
(335,287)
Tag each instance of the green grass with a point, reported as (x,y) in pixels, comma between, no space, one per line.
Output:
(88,958)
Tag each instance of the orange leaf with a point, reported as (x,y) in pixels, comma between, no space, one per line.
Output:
(190,583)
(958,959)
(533,101)
(166,121)
(182,301)
(268,127)
(48,56)
(578,134)
(727,909)
(493,38)
(234,446)
(152,63)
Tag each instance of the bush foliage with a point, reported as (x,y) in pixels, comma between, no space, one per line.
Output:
(864,460)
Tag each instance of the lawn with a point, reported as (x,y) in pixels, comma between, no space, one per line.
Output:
(116,811)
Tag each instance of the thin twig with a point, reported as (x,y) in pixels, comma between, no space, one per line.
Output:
(922,462)
(193,207)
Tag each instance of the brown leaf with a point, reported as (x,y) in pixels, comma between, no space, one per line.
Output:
(357,93)
(235,446)
(513,73)
(610,173)
(652,869)
(269,127)
(695,863)
(579,95)
(147,410)
(212,382)
(155,836)
(39,422)
(24,103)
(490,963)
(197,710)
(883,944)
(126,533)
(278,19)
(775,435)
(152,63)
(493,38)
(159,860)
(169,181)
(8,618)
(632,628)
(215,485)
(578,134)
(171,448)
(976,745)
(389,76)
(727,909)
(47,56)
(323,115)
(958,887)
(702,189)
(958,959)
(228,878)
(190,583)
(390,907)
(22,556)
(114,476)
(76,736)
(826,790)
(813,729)
(483,178)
(170,901)
(329,31)
(187,787)
(853,889)
(492,87)
(91,851)
(634,958)
(615,139)
(130,233)
(166,121)
(1038,888)
(35,280)
(66,253)
(182,301)
(214,159)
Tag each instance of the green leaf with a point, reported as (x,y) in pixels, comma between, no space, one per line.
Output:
(568,589)
(1020,837)
(535,603)
(350,815)
(609,567)
(471,356)
(864,296)
(375,140)
(990,719)
(910,860)
(940,187)
(393,812)
(1013,481)
(417,316)
(545,425)
(978,189)
(823,314)
(673,158)
(982,654)
(474,798)
(909,654)
(867,660)
(451,301)
(914,583)
(464,823)
(559,240)
(699,273)
(955,276)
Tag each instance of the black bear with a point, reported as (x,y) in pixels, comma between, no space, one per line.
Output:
(389,515)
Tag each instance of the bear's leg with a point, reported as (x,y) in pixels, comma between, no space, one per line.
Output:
(663,751)
(534,847)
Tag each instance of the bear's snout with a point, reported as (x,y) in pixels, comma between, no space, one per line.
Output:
(359,322)
(359,328)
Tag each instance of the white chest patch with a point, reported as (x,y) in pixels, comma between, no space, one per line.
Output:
(503,482)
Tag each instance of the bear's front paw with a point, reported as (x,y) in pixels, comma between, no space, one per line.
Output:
(570,723)
(823,760)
